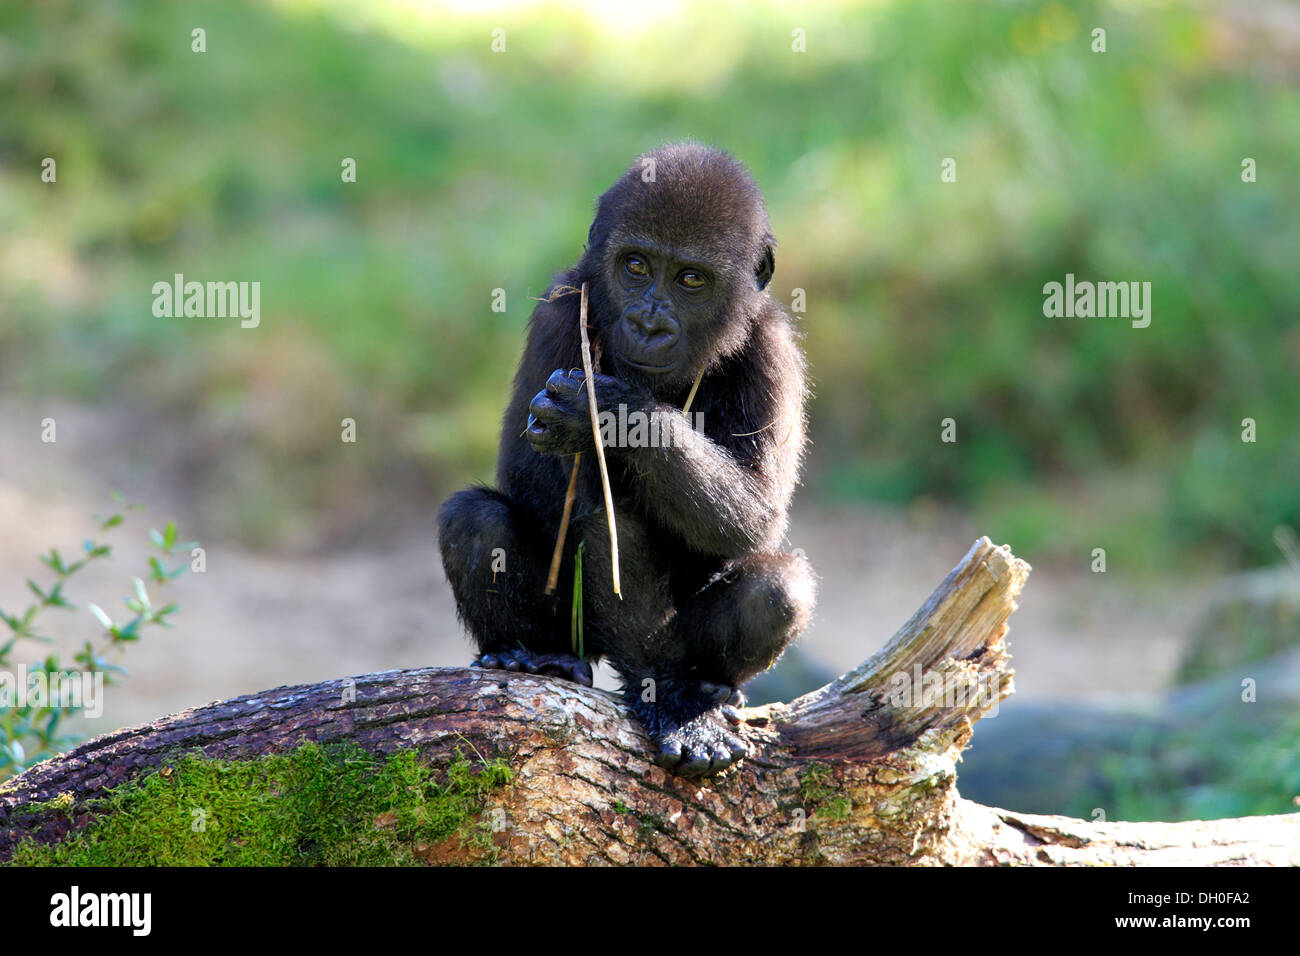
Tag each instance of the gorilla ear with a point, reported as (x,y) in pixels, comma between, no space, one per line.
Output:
(766,266)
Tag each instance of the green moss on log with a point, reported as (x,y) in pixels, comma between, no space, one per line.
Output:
(822,794)
(323,806)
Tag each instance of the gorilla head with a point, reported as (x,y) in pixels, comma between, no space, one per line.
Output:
(677,255)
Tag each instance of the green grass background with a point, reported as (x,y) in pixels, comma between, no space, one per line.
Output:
(478,170)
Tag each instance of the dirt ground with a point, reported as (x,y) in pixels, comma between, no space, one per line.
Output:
(256,621)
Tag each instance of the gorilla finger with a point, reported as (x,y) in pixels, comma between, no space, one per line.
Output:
(562,383)
(542,409)
(580,673)
(557,412)
(540,442)
(543,438)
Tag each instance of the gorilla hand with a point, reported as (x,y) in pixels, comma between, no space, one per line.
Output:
(559,421)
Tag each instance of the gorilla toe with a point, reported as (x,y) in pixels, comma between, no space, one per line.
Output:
(719,694)
(567,666)
(701,747)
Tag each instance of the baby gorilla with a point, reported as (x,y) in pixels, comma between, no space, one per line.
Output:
(677,262)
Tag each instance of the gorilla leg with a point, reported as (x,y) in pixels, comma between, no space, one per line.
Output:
(732,629)
(638,634)
(738,624)
(496,560)
(627,629)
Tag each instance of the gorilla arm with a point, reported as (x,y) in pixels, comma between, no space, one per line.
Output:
(724,492)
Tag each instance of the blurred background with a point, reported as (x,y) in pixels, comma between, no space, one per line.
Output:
(477,170)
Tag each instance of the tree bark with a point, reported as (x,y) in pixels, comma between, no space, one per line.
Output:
(861,771)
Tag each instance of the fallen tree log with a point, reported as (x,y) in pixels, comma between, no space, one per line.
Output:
(861,771)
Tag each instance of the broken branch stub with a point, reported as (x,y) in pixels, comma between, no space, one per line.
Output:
(942,671)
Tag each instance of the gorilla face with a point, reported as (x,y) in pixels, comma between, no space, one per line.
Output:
(677,266)
(665,301)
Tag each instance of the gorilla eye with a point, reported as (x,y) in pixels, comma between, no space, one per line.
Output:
(637,267)
(691,280)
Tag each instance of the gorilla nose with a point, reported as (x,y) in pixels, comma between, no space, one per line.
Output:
(655,327)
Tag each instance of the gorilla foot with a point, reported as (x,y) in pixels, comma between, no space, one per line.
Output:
(568,666)
(722,694)
(700,747)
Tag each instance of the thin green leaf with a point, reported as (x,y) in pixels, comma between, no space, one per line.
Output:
(104,619)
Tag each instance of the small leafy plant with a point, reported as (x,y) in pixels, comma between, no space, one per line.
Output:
(30,723)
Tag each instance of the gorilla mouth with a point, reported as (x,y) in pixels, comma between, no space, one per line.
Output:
(652,369)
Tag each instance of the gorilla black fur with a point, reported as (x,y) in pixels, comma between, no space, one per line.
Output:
(678,261)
